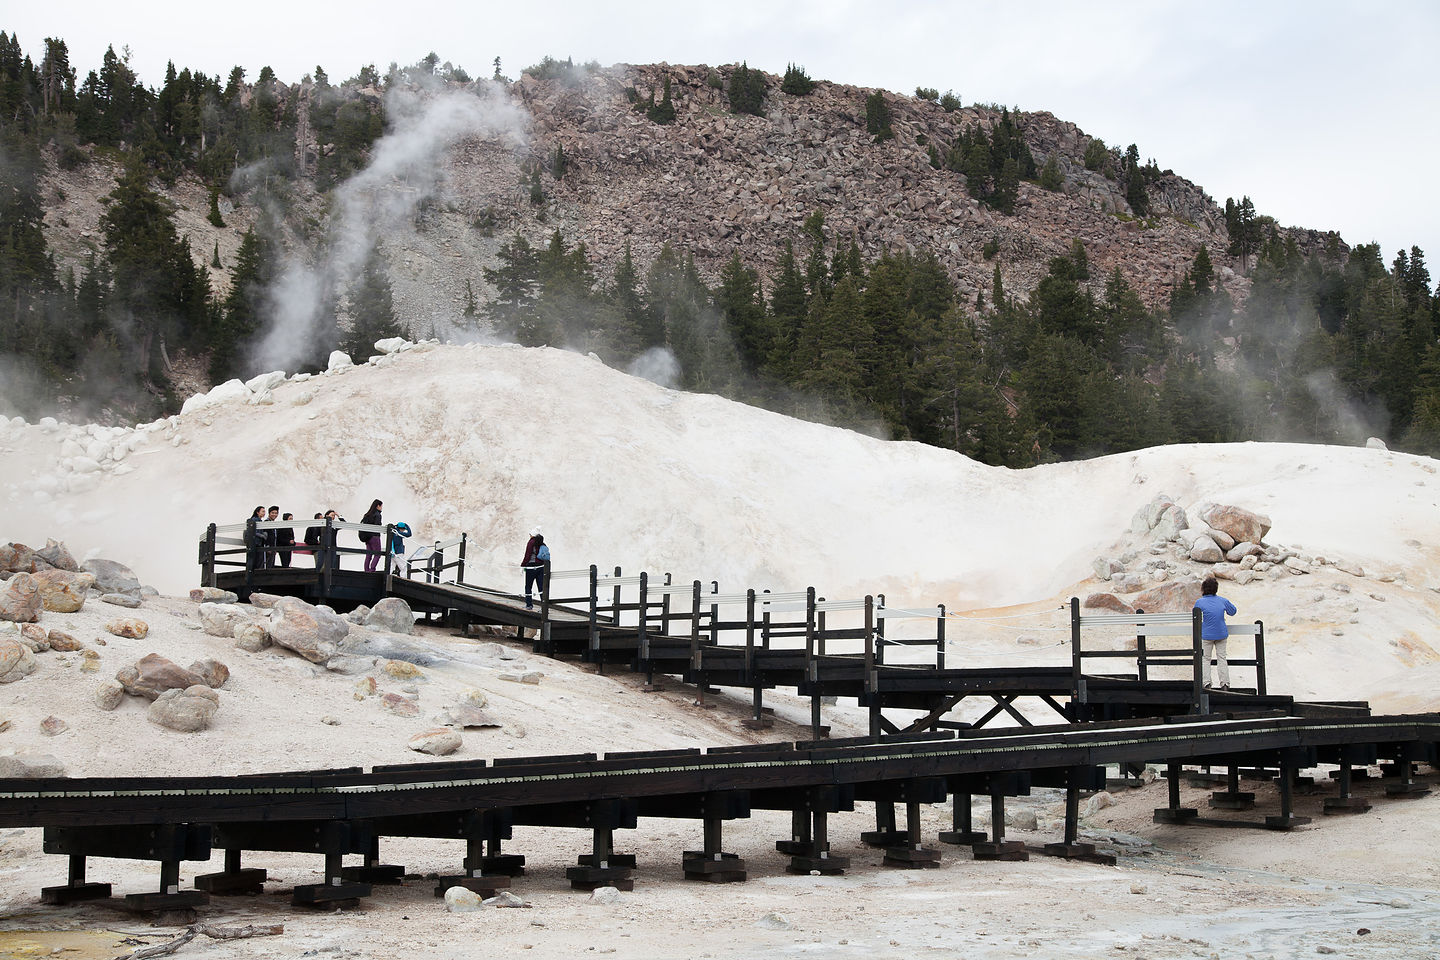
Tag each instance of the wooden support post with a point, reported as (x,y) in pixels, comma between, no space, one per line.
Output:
(912,855)
(962,823)
(757,720)
(1405,768)
(801,842)
(1232,797)
(885,833)
(207,557)
(76,888)
(602,867)
(460,565)
(1174,813)
(1071,848)
(1286,782)
(999,848)
(712,864)
(372,870)
(1259,658)
(1142,661)
(234,880)
(1347,802)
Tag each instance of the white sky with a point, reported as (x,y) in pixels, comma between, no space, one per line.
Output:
(1322,112)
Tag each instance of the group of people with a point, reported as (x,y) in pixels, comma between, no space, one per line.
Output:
(276,547)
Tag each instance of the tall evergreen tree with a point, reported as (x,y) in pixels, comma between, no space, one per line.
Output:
(372,309)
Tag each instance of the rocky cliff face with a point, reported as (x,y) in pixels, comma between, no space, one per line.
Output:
(714,182)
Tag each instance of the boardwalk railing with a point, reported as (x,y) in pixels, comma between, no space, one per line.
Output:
(1146,627)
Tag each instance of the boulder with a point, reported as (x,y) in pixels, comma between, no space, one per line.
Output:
(263,601)
(56,555)
(1171,522)
(31,766)
(182,711)
(392,615)
(1242,550)
(20,599)
(112,577)
(1106,601)
(358,615)
(109,694)
(1155,509)
(339,360)
(461,900)
(121,600)
(1238,522)
(129,627)
(310,631)
(251,637)
(1375,443)
(221,393)
(212,595)
(152,675)
(400,706)
(16,660)
(439,742)
(63,642)
(1129,583)
(465,716)
(213,672)
(221,619)
(1106,567)
(62,591)
(35,637)
(391,344)
(402,670)
(17,558)
(1222,539)
(1205,550)
(1177,596)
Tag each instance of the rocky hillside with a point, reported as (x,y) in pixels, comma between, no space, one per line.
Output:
(711,183)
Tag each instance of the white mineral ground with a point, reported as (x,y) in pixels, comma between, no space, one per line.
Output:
(618,471)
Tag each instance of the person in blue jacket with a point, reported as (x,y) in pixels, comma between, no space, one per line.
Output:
(1213,629)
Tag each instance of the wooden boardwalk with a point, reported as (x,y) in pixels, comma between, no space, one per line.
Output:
(1110,719)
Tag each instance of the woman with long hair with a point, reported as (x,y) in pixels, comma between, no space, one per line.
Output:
(373,541)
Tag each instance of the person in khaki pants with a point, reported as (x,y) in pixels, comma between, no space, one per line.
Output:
(1214,631)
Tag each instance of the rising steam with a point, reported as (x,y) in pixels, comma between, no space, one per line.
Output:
(404,172)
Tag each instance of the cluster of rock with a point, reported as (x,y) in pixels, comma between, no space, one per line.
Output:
(260,390)
(181,698)
(51,579)
(1227,542)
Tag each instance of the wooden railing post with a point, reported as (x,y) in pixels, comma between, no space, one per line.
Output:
(253,548)
(940,639)
(389,556)
(1259,658)
(331,555)
(872,681)
(1077,675)
(594,607)
(695,659)
(1142,665)
(460,570)
(642,637)
(207,557)
(1200,700)
(544,645)
(880,630)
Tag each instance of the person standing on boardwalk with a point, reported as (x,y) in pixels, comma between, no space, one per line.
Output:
(285,541)
(312,540)
(272,539)
(334,553)
(1214,631)
(259,539)
(536,556)
(373,541)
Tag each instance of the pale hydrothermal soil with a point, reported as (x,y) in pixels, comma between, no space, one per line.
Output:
(495,440)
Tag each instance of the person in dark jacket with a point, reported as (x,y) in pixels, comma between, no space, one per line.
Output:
(272,539)
(536,556)
(374,542)
(258,540)
(285,541)
(312,540)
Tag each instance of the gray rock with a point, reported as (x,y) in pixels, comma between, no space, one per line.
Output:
(62,591)
(465,715)
(20,600)
(1171,522)
(17,661)
(610,895)
(31,766)
(212,595)
(121,599)
(1106,567)
(56,555)
(347,665)
(439,742)
(212,671)
(153,675)
(1375,443)
(263,601)
(179,710)
(1238,522)
(529,676)
(358,615)
(109,694)
(1205,550)
(251,637)
(112,577)
(312,632)
(221,619)
(461,900)
(391,615)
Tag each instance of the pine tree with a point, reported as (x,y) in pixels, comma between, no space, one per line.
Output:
(372,309)
(741,303)
(663,112)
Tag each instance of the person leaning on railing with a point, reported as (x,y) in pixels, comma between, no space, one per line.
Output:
(1214,631)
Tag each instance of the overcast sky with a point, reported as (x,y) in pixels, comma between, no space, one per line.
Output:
(1324,113)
